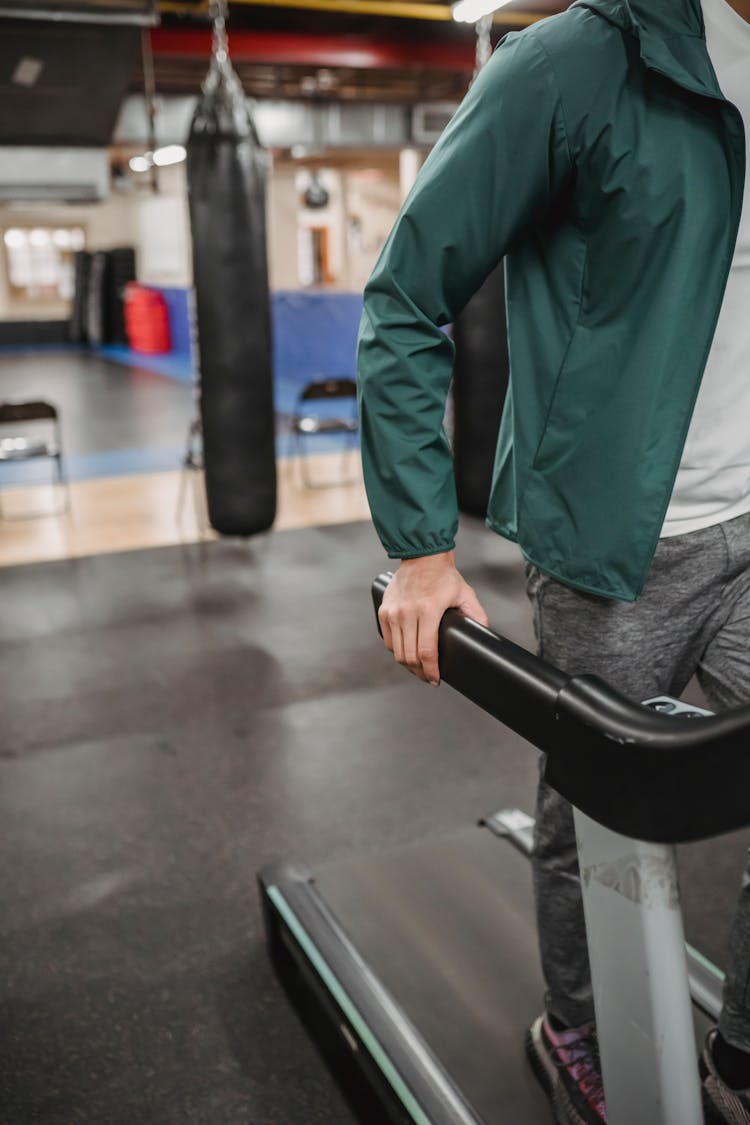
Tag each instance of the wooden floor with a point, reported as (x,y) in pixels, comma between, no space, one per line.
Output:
(129,513)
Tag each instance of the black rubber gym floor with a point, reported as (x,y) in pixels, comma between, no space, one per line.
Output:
(103,405)
(173,720)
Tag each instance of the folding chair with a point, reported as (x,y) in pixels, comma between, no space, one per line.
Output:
(307,423)
(27,445)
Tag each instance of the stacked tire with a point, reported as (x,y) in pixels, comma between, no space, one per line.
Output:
(146,320)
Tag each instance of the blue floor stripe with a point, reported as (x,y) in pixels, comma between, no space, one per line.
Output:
(171,366)
(131,462)
(8,350)
(180,367)
(85,466)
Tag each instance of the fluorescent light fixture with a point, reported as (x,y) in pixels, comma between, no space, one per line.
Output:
(169,154)
(469,11)
(161,157)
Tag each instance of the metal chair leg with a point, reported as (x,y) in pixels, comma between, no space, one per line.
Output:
(63,484)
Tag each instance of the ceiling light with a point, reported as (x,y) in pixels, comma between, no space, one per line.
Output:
(169,154)
(14,238)
(140,163)
(469,11)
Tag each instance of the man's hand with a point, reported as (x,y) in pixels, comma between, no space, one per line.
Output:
(413,606)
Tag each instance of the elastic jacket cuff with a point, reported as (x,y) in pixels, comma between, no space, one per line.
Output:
(419,552)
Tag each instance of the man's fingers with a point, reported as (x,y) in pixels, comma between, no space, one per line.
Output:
(409,636)
(412,638)
(412,609)
(385,628)
(427,648)
(471,607)
(397,641)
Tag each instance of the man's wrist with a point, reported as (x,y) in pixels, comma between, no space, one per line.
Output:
(442,558)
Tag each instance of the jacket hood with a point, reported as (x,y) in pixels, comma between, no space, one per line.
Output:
(663,18)
(671,38)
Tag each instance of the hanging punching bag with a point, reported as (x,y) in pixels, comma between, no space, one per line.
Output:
(226,169)
(480,382)
(480,372)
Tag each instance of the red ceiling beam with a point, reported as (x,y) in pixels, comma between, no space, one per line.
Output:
(294,49)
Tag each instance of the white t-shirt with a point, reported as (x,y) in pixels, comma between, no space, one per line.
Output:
(713,481)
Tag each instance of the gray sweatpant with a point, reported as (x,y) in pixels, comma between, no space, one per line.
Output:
(692,617)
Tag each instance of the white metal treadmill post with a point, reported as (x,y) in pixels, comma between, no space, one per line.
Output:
(639,972)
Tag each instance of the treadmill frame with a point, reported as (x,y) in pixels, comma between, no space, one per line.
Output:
(307,941)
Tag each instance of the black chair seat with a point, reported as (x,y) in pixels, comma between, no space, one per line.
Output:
(314,425)
(23,449)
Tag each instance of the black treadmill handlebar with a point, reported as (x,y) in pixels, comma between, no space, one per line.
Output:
(642,773)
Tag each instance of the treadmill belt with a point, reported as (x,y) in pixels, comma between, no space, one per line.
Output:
(448,927)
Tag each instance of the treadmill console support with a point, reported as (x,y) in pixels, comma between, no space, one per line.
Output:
(639,972)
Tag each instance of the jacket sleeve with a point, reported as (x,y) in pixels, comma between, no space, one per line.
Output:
(489,179)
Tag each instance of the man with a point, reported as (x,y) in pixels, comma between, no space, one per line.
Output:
(602,153)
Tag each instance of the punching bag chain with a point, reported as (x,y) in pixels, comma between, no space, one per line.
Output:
(220,43)
(484,43)
(220,72)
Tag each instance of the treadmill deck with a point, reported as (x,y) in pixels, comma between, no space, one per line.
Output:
(447,926)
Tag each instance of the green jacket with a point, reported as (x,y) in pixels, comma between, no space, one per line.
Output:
(597,154)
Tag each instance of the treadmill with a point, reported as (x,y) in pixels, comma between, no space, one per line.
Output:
(417,970)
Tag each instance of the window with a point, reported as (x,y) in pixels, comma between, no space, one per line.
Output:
(40,261)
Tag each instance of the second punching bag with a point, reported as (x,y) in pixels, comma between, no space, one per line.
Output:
(480,382)
(226,169)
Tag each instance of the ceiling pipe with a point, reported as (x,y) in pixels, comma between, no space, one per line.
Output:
(294,49)
(403,9)
(146,18)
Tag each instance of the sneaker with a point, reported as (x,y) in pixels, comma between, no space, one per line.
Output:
(567,1065)
(721,1104)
